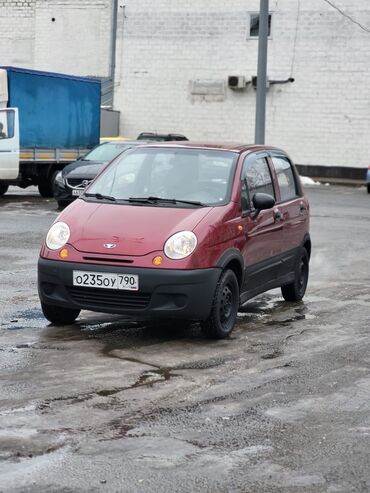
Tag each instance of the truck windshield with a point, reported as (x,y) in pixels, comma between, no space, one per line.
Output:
(203,177)
(106,151)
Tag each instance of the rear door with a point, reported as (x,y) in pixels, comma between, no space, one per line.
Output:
(9,144)
(262,247)
(293,207)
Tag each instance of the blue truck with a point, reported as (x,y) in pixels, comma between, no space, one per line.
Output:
(47,120)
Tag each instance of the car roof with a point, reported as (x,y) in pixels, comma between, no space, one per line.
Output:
(125,142)
(162,136)
(227,146)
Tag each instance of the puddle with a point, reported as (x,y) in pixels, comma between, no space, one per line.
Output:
(31,318)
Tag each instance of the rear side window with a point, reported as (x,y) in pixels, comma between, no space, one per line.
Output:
(285,176)
(258,177)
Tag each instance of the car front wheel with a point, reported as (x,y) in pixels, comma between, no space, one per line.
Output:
(225,306)
(3,188)
(58,315)
(368,188)
(63,203)
(296,290)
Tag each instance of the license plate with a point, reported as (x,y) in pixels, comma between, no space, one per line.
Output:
(106,280)
(77,192)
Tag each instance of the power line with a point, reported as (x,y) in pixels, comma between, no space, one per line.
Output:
(347,16)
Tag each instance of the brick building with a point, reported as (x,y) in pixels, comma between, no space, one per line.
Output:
(173,60)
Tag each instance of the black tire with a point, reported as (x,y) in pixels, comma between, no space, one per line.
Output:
(3,189)
(63,203)
(46,185)
(368,188)
(225,306)
(296,290)
(58,315)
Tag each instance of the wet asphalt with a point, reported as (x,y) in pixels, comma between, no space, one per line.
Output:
(110,404)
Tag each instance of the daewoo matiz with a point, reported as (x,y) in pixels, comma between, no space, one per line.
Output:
(179,231)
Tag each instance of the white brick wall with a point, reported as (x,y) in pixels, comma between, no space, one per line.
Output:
(76,42)
(162,45)
(322,118)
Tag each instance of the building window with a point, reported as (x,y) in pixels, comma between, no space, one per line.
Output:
(254,25)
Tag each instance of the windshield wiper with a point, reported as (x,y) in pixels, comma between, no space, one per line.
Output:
(99,196)
(151,200)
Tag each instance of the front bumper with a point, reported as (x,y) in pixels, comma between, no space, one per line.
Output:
(163,293)
(63,193)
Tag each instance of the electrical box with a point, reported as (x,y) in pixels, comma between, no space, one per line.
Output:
(237,82)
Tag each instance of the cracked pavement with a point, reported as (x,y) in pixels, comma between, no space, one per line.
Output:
(113,404)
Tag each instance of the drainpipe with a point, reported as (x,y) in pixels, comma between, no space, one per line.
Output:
(262,73)
(113,44)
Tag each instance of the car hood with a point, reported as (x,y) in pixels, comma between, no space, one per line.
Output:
(135,230)
(83,168)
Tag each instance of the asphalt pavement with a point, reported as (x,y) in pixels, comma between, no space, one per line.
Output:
(113,405)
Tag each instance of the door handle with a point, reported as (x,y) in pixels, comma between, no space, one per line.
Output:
(278,215)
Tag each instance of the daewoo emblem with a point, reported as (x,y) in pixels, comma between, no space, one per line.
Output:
(109,245)
(85,182)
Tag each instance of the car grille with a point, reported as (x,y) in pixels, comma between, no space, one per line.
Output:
(109,298)
(77,182)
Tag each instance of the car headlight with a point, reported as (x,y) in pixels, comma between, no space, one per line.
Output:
(180,245)
(59,178)
(57,236)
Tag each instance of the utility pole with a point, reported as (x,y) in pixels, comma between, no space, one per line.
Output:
(259,137)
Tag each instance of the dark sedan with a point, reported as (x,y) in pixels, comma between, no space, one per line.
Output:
(71,181)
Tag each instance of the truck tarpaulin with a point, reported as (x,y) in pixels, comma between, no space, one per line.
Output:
(55,110)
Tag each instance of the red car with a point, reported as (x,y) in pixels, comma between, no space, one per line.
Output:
(179,231)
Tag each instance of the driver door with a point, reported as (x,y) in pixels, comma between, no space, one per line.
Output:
(9,144)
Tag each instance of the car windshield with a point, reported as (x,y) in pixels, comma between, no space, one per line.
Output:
(164,176)
(106,152)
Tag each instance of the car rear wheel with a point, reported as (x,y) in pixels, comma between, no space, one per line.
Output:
(58,315)
(225,306)
(296,290)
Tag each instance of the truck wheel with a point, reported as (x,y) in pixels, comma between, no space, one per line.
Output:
(296,290)
(3,189)
(225,306)
(58,315)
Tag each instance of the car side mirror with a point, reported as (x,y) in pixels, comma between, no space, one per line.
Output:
(262,201)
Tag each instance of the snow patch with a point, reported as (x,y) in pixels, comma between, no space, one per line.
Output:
(306,180)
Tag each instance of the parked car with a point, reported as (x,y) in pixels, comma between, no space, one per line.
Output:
(368,179)
(74,178)
(160,137)
(179,232)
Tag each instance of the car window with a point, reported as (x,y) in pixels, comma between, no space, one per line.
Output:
(285,177)
(106,152)
(256,174)
(204,176)
(7,124)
